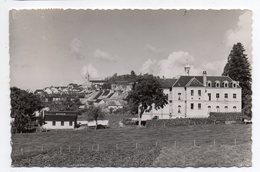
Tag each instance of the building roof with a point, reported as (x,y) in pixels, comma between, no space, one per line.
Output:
(167,83)
(51,117)
(194,83)
(60,113)
(97,81)
(182,81)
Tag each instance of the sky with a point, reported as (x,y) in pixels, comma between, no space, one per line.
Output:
(58,47)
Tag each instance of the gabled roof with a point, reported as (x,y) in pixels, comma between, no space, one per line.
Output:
(167,83)
(194,83)
(183,81)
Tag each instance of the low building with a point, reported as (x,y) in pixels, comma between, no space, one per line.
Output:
(60,120)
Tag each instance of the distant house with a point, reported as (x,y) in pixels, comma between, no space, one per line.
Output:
(113,105)
(97,84)
(122,85)
(60,119)
(99,122)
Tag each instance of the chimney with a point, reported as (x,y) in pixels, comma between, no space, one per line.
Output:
(204,78)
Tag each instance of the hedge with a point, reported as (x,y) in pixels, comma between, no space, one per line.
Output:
(178,122)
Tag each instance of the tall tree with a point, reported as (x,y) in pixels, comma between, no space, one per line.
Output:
(23,106)
(146,94)
(94,113)
(239,69)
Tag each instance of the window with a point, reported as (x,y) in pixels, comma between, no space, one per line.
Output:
(70,123)
(191,106)
(217,108)
(171,89)
(234,108)
(234,96)
(209,83)
(179,109)
(170,101)
(217,84)
(217,95)
(209,94)
(62,123)
(234,85)
(167,96)
(199,92)
(179,96)
(209,108)
(226,95)
(226,108)
(225,84)
(199,105)
(53,123)
(191,92)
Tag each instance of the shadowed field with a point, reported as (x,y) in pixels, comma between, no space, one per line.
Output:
(126,146)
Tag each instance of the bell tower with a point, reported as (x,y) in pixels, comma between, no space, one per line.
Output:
(187,69)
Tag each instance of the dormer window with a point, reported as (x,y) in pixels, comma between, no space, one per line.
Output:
(225,84)
(234,84)
(217,84)
(209,83)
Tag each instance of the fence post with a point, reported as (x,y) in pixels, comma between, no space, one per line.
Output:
(79,149)
(136,146)
(69,149)
(214,142)
(97,147)
(194,143)
(42,148)
(184,160)
(235,141)
(60,150)
(156,144)
(22,151)
(175,144)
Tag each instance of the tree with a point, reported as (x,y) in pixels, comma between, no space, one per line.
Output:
(146,94)
(94,113)
(239,69)
(23,106)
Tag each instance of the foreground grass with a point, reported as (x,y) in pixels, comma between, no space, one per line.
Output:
(114,145)
(205,156)
(106,158)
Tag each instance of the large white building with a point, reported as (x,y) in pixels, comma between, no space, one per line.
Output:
(197,96)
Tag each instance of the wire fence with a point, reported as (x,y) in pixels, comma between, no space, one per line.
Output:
(67,148)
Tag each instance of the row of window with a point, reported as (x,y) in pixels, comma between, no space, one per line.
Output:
(209,95)
(62,123)
(209,107)
(192,92)
(225,96)
(225,84)
(192,106)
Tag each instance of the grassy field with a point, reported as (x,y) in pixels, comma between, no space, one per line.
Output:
(131,146)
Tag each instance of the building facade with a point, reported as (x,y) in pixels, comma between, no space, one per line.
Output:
(59,120)
(197,96)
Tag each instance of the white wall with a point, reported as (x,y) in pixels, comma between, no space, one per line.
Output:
(185,108)
(49,125)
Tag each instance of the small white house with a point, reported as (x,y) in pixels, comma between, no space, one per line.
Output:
(99,122)
(60,120)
